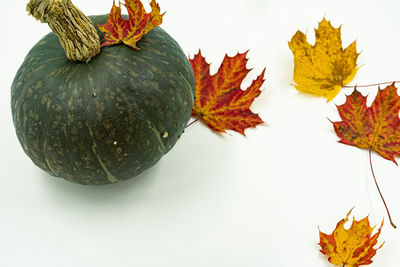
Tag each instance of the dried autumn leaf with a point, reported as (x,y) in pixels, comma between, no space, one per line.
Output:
(220,102)
(324,68)
(375,127)
(130,31)
(353,247)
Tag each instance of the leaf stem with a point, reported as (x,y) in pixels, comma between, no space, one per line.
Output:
(196,120)
(376,183)
(369,85)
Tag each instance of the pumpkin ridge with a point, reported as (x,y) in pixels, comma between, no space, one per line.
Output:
(109,176)
(46,159)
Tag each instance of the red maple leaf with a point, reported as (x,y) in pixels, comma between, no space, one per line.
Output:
(375,128)
(130,31)
(220,102)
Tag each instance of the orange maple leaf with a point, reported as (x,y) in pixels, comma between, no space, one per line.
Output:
(130,31)
(353,247)
(220,102)
(375,127)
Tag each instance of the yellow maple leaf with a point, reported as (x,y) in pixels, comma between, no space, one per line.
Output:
(351,247)
(323,69)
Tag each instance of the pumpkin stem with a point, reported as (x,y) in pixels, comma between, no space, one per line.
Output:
(76,32)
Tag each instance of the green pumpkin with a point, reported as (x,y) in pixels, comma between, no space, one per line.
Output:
(107,120)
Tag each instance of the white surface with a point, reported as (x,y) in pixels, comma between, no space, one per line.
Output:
(214,200)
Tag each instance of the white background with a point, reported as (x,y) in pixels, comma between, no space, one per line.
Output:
(214,200)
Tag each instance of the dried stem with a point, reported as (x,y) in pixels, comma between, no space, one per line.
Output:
(376,183)
(369,85)
(75,31)
(196,120)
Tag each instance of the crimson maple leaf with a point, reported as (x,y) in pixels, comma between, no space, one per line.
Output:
(375,128)
(130,31)
(220,102)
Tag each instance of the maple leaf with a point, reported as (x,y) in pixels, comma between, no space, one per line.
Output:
(130,31)
(353,247)
(220,102)
(375,127)
(323,69)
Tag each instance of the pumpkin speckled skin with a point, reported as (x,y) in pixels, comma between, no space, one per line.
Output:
(107,120)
